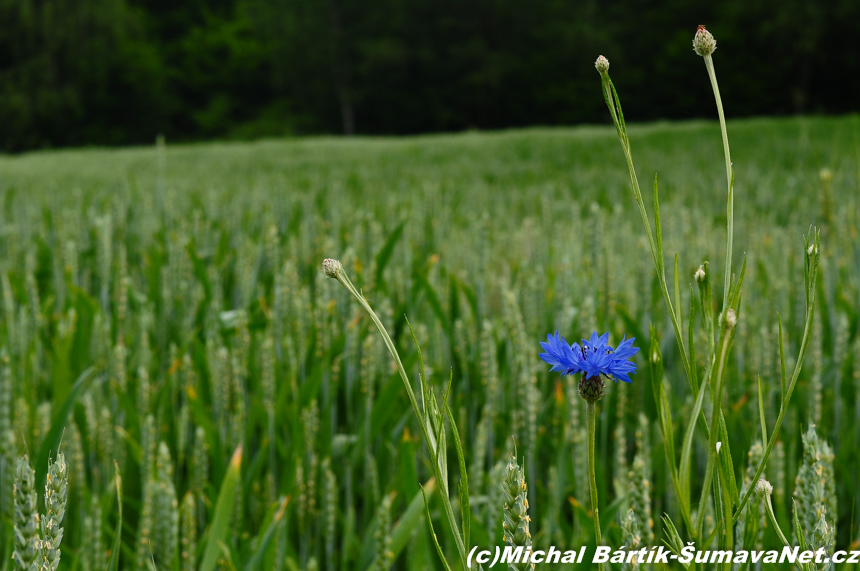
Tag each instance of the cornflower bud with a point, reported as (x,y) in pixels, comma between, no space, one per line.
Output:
(704,43)
(332,268)
(763,488)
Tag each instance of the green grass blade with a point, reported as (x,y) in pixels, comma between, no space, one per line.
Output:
(260,552)
(726,463)
(677,307)
(761,411)
(707,299)
(384,255)
(658,231)
(463,487)
(52,441)
(403,530)
(687,448)
(798,531)
(735,296)
(435,305)
(421,377)
(782,377)
(433,533)
(664,414)
(618,106)
(673,539)
(113,564)
(691,345)
(224,508)
(655,367)
(812,259)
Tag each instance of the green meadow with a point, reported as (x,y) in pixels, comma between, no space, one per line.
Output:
(167,326)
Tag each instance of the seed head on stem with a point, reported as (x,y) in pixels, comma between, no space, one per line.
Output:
(764,488)
(332,268)
(731,318)
(704,43)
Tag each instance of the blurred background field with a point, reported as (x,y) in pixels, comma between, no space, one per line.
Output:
(189,277)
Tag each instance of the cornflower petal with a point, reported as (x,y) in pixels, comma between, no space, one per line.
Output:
(595,357)
(560,355)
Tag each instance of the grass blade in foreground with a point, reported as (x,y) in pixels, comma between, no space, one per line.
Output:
(58,425)
(257,558)
(113,565)
(223,512)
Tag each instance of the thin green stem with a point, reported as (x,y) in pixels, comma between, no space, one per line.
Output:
(773,521)
(725,341)
(423,421)
(592,480)
(775,524)
(709,64)
(613,102)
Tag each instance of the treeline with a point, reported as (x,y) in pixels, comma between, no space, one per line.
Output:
(76,72)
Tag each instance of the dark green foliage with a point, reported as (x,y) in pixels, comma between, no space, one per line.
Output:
(123,71)
(75,73)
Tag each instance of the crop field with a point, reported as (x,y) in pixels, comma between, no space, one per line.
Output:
(204,397)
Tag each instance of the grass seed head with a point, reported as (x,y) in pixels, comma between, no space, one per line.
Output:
(516,519)
(26,525)
(56,494)
(188,528)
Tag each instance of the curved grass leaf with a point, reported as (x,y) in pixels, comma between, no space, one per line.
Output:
(223,512)
(463,487)
(433,533)
(113,564)
(260,552)
(58,425)
(687,447)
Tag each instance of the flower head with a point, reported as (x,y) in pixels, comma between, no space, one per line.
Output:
(332,268)
(594,358)
(704,43)
(763,488)
(601,65)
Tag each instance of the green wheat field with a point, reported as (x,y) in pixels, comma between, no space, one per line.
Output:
(167,326)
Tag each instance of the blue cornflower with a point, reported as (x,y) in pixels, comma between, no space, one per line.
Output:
(595,357)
